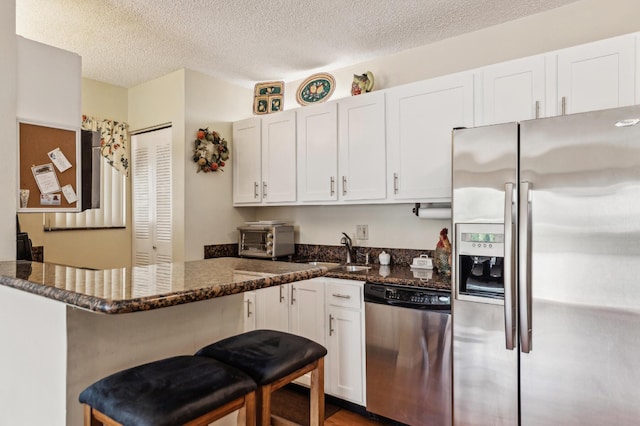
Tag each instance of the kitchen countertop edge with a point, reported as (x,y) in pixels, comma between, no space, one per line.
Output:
(395,275)
(108,306)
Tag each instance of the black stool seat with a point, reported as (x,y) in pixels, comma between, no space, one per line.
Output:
(265,355)
(171,391)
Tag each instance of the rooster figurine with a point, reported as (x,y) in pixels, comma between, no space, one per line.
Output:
(362,83)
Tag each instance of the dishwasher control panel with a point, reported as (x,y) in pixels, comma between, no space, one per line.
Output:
(406,296)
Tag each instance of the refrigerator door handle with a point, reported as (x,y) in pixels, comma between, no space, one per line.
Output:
(524,267)
(509,281)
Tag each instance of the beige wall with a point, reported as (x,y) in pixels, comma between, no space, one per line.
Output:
(189,100)
(570,25)
(154,103)
(99,249)
(209,215)
(8,166)
(395,226)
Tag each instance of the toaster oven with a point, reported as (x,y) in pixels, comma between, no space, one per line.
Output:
(265,241)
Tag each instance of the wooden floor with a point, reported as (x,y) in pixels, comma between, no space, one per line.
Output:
(349,418)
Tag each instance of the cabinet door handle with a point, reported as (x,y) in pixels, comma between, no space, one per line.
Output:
(344,185)
(264,189)
(255,189)
(537,109)
(331,330)
(333,183)
(248,308)
(293,299)
(281,294)
(341,296)
(564,105)
(395,183)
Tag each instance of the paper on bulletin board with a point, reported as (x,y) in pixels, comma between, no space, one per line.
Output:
(69,194)
(50,199)
(59,159)
(46,178)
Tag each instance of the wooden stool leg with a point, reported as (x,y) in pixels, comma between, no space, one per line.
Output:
(247,414)
(316,408)
(89,420)
(263,413)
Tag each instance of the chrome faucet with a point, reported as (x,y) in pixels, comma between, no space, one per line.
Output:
(346,240)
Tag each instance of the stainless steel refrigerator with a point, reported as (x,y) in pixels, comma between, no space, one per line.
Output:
(546,271)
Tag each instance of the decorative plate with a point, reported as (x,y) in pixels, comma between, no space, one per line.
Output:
(268,97)
(317,88)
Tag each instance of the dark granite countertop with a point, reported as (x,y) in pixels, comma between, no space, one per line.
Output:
(142,288)
(397,274)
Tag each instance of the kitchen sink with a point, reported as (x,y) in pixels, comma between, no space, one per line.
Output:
(332,266)
(351,268)
(328,265)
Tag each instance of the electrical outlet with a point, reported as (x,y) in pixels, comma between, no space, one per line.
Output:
(362,232)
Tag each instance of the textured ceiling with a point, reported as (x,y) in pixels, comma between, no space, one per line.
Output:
(126,42)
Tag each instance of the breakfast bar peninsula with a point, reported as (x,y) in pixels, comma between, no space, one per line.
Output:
(62,328)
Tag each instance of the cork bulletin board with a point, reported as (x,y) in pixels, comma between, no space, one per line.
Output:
(48,168)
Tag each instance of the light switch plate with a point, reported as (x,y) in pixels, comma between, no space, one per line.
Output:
(362,232)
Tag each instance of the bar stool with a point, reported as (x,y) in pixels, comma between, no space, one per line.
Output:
(274,359)
(182,390)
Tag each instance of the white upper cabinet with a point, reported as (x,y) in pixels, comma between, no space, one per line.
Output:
(279,157)
(596,76)
(361,147)
(246,162)
(394,146)
(264,160)
(317,142)
(513,91)
(420,117)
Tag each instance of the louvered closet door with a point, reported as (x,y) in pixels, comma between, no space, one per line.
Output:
(152,197)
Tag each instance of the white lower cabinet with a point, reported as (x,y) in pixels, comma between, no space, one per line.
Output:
(306,313)
(328,311)
(345,365)
(272,307)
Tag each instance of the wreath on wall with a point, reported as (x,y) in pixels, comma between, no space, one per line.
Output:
(210,151)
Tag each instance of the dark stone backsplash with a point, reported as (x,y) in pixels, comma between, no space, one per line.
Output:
(310,252)
(37,252)
(221,250)
(338,254)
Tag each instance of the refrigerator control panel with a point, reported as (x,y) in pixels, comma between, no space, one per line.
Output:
(480,239)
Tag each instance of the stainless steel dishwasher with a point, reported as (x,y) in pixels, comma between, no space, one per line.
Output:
(408,354)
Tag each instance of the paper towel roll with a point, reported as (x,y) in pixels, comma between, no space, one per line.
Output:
(434,213)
